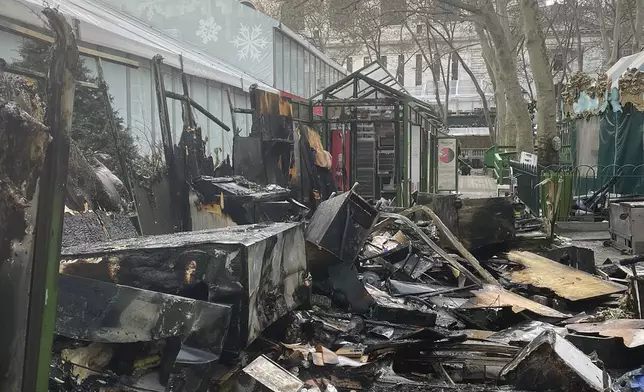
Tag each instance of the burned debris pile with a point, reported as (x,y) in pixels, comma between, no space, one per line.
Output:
(351,299)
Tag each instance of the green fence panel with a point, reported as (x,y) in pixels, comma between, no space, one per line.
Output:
(566,196)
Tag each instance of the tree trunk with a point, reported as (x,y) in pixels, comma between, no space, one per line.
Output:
(580,52)
(542,75)
(639,26)
(517,109)
(614,54)
(499,90)
(603,29)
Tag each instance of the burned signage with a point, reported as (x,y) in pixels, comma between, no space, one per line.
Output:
(260,270)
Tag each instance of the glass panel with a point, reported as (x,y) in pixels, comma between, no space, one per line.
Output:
(300,72)
(313,82)
(293,89)
(242,119)
(319,75)
(307,75)
(198,93)
(287,63)
(140,98)
(327,75)
(215,137)
(279,61)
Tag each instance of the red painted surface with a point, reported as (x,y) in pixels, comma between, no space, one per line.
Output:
(340,176)
(284,94)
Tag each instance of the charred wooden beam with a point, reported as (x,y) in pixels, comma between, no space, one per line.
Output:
(244,111)
(51,202)
(200,108)
(236,131)
(17,70)
(188,116)
(179,219)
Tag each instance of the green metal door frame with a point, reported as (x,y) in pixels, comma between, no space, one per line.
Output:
(404,183)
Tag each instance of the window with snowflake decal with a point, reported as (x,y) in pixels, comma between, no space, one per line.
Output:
(250,42)
(208,30)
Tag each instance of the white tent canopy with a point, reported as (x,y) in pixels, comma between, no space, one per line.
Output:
(103,26)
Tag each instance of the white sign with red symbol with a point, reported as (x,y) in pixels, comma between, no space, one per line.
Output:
(447,165)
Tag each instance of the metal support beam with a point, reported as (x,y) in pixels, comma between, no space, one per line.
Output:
(358,102)
(406,153)
(397,156)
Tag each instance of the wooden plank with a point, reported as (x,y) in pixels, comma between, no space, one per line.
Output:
(16,70)
(455,242)
(14,28)
(565,282)
(491,296)
(631,331)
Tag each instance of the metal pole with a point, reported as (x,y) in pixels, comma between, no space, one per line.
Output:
(405,154)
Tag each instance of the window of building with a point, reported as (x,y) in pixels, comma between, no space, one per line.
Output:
(454,66)
(419,29)
(383,61)
(350,64)
(366,61)
(400,72)
(419,69)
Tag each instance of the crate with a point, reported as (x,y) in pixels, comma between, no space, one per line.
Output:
(626,226)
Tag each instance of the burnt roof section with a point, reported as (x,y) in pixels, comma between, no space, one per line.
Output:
(374,81)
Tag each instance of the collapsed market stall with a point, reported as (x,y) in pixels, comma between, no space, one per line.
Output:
(371,122)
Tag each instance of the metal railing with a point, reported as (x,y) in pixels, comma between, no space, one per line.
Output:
(586,188)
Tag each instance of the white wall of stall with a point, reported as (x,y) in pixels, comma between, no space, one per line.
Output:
(135,99)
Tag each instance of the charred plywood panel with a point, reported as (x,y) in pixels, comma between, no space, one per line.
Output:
(104,312)
(154,206)
(631,331)
(260,270)
(564,281)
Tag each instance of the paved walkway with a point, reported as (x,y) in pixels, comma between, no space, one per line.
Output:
(477,186)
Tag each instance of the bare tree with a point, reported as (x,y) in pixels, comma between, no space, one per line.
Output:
(542,74)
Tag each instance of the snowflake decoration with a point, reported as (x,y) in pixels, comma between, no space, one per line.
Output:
(250,42)
(208,30)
